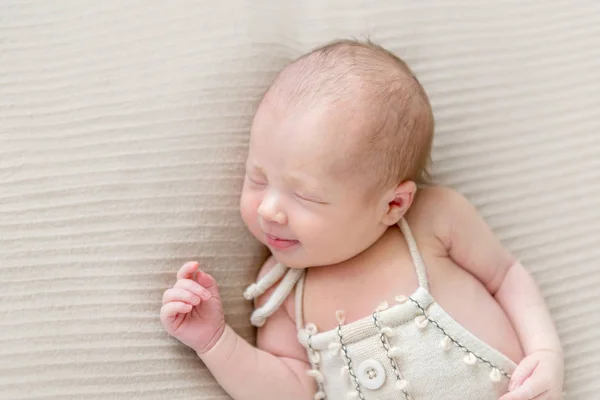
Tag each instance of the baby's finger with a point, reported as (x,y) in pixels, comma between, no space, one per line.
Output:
(182,295)
(187,270)
(529,390)
(545,396)
(194,287)
(173,308)
(522,372)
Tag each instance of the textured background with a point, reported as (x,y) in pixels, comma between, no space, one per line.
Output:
(123,129)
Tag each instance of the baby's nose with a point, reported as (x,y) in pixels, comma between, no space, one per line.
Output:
(269,210)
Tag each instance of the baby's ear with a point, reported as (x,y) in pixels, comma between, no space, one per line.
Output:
(399,200)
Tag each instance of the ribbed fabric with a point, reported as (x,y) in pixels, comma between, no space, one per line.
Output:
(123,131)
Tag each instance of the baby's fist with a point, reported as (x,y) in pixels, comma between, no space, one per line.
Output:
(538,376)
(192,310)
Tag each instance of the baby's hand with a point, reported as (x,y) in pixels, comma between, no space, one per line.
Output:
(539,376)
(192,310)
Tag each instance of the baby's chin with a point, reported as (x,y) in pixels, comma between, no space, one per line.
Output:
(298,260)
(295,261)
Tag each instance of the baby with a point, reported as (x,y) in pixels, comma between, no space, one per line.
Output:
(406,293)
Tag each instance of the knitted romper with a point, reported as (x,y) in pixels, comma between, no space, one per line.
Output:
(410,350)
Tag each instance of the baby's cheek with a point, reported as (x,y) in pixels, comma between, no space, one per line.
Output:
(249,209)
(319,236)
(337,241)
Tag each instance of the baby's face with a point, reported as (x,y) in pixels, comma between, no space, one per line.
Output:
(295,201)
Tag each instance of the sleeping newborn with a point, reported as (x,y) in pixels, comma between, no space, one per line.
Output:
(380,284)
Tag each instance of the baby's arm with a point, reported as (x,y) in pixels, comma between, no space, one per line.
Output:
(473,246)
(246,372)
(275,370)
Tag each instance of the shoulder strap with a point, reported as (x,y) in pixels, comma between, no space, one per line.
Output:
(299,301)
(265,282)
(290,277)
(415,255)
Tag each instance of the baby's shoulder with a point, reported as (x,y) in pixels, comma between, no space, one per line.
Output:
(435,201)
(434,208)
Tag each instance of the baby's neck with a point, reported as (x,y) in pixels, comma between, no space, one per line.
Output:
(382,252)
(360,284)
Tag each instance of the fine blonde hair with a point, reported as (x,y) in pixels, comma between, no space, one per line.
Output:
(396,142)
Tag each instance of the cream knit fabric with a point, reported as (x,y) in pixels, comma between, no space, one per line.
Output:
(409,350)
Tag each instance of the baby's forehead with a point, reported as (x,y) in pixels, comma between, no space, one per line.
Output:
(319,141)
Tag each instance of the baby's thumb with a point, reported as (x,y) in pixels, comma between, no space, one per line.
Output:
(523,371)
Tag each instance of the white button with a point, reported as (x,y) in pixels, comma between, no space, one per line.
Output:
(371,374)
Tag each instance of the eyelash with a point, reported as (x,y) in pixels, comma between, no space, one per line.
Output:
(255,182)
(308,199)
(303,198)
(297,195)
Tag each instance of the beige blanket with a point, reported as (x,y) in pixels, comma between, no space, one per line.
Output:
(123,130)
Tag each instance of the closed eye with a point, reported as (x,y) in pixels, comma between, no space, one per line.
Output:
(256,181)
(309,199)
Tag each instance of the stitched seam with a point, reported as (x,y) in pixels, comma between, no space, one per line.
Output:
(349,363)
(386,346)
(456,342)
(314,365)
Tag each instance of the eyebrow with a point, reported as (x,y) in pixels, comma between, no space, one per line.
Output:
(253,166)
(303,185)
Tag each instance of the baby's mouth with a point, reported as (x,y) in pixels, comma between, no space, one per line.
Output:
(279,243)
